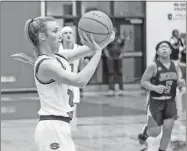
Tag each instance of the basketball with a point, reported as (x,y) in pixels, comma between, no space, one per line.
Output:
(97,23)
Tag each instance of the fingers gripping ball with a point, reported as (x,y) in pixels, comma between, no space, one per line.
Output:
(97,23)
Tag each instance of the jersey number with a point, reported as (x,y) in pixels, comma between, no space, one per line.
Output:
(70,114)
(168,86)
(71,97)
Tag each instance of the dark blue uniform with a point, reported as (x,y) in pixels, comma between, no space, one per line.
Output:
(183,61)
(183,56)
(164,109)
(175,51)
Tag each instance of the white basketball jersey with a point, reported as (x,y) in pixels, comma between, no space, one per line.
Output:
(55,98)
(74,65)
(74,68)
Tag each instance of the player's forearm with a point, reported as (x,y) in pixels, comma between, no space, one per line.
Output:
(147,85)
(80,52)
(85,75)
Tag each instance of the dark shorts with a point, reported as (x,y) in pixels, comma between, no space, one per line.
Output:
(183,70)
(159,110)
(114,66)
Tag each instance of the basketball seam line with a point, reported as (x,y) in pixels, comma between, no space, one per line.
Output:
(109,23)
(98,22)
(93,32)
(110,26)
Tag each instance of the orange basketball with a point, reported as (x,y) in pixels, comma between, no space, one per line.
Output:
(97,23)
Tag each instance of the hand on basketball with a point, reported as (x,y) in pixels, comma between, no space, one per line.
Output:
(112,37)
(109,40)
(181,83)
(160,89)
(90,42)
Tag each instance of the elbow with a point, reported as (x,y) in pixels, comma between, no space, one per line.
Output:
(81,83)
(142,83)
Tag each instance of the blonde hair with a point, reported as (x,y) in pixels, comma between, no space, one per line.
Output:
(66,28)
(32,29)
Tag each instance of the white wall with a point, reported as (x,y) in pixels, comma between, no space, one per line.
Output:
(159,27)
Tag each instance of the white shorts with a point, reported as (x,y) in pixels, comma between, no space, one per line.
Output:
(53,135)
(76,95)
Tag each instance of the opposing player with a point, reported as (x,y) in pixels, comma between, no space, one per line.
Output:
(183,55)
(178,54)
(176,44)
(161,79)
(54,81)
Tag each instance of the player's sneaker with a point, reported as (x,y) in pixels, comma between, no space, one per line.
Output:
(111,92)
(120,92)
(142,137)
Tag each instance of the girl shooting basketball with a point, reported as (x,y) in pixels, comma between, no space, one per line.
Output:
(54,80)
(161,78)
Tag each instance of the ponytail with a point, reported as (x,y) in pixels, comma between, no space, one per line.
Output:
(23,57)
(31,41)
(32,28)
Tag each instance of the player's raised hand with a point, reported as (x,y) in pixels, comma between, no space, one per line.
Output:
(90,42)
(112,36)
(109,40)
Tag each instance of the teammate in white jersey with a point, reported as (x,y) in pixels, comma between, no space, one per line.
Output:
(69,44)
(54,80)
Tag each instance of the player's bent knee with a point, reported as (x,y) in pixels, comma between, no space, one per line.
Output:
(155,131)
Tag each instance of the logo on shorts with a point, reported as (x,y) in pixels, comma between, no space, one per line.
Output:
(54,146)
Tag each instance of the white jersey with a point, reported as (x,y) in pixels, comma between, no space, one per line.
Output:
(55,98)
(74,65)
(74,68)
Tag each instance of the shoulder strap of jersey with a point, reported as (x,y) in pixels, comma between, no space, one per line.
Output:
(156,63)
(175,65)
(60,63)
(61,56)
(38,63)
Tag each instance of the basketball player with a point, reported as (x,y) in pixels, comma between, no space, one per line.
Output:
(68,44)
(161,79)
(176,44)
(54,81)
(183,55)
(177,56)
